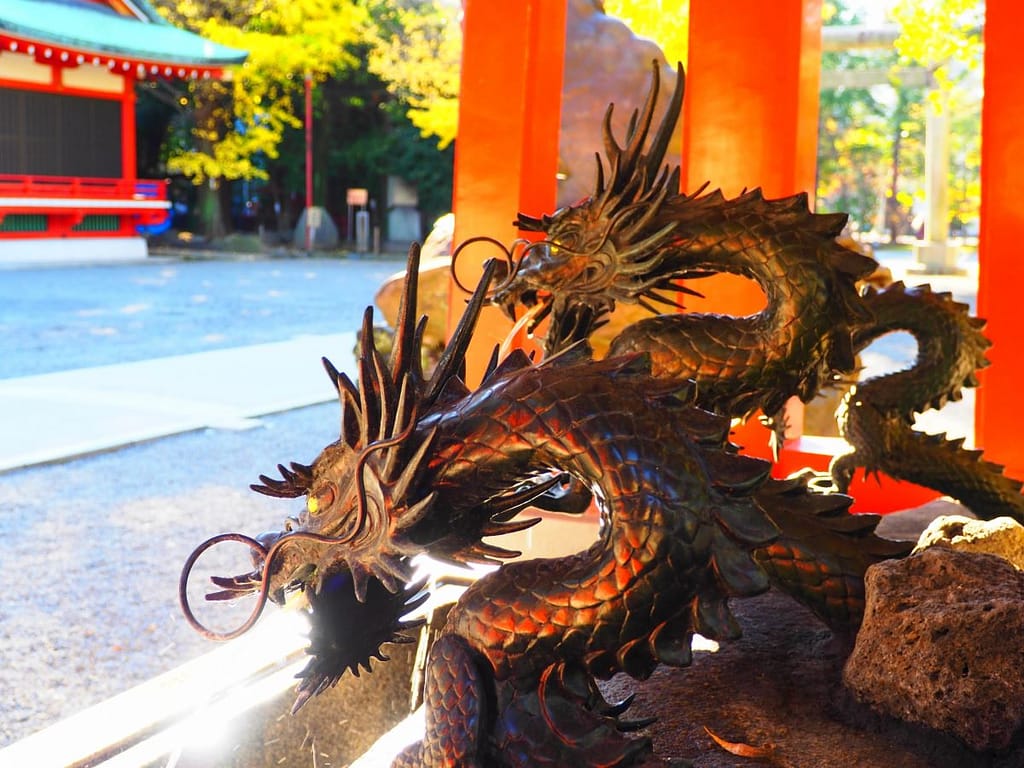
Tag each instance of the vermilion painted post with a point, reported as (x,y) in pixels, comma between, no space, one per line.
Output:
(128,161)
(129,171)
(750,119)
(998,423)
(506,154)
(309,162)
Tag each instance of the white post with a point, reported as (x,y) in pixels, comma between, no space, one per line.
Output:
(935,254)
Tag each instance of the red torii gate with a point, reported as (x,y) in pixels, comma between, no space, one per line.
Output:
(750,119)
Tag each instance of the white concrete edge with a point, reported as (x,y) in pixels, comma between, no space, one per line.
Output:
(174,415)
(170,710)
(82,202)
(70,251)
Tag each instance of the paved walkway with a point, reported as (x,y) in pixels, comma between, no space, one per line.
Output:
(57,416)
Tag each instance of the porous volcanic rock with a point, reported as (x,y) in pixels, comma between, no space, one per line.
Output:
(1002,536)
(942,645)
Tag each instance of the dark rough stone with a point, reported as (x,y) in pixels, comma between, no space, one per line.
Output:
(942,645)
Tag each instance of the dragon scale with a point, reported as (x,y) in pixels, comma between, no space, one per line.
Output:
(877,416)
(674,546)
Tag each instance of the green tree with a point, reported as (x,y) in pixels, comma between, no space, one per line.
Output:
(417,51)
(854,140)
(944,37)
(238,123)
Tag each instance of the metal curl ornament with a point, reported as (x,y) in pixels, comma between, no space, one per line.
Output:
(234,586)
(512,264)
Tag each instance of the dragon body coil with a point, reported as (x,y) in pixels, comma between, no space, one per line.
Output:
(427,465)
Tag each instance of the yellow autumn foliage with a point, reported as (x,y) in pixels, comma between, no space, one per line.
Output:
(245,116)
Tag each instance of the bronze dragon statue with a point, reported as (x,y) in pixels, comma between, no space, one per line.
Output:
(637,238)
(425,465)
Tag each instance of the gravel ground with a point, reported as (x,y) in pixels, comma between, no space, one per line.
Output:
(92,550)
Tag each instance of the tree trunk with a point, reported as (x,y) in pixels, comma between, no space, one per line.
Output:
(211,214)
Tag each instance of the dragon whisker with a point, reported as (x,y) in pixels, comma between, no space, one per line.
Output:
(512,263)
(526,321)
(262,593)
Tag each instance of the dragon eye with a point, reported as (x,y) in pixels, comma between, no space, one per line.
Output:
(321,500)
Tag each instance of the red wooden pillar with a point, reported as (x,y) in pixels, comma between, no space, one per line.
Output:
(998,423)
(506,155)
(750,120)
(128,162)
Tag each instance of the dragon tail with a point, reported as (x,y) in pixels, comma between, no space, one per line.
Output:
(945,465)
(822,551)
(876,417)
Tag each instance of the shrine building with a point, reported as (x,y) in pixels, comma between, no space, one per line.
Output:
(68,70)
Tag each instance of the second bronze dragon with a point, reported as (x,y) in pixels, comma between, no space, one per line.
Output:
(427,465)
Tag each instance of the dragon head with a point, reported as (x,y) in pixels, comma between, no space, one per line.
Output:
(610,247)
(350,549)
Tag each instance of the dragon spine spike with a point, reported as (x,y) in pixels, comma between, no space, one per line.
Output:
(405,479)
(662,137)
(492,362)
(350,411)
(453,360)
(405,348)
(384,386)
(402,422)
(332,373)
(367,403)
(514,360)
(485,554)
(635,138)
(499,529)
(632,174)
(416,512)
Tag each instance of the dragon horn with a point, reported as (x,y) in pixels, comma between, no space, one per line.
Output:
(668,124)
(405,325)
(453,360)
(634,137)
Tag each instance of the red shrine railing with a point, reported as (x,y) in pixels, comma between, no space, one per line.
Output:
(75,206)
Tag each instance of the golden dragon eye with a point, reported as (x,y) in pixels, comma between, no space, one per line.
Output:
(321,500)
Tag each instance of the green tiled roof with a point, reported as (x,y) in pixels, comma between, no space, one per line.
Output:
(93,28)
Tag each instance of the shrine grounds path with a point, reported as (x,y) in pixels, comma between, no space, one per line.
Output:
(219,359)
(137,404)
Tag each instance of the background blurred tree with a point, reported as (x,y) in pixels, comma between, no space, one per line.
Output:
(871,140)
(417,50)
(236,124)
(945,37)
(853,140)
